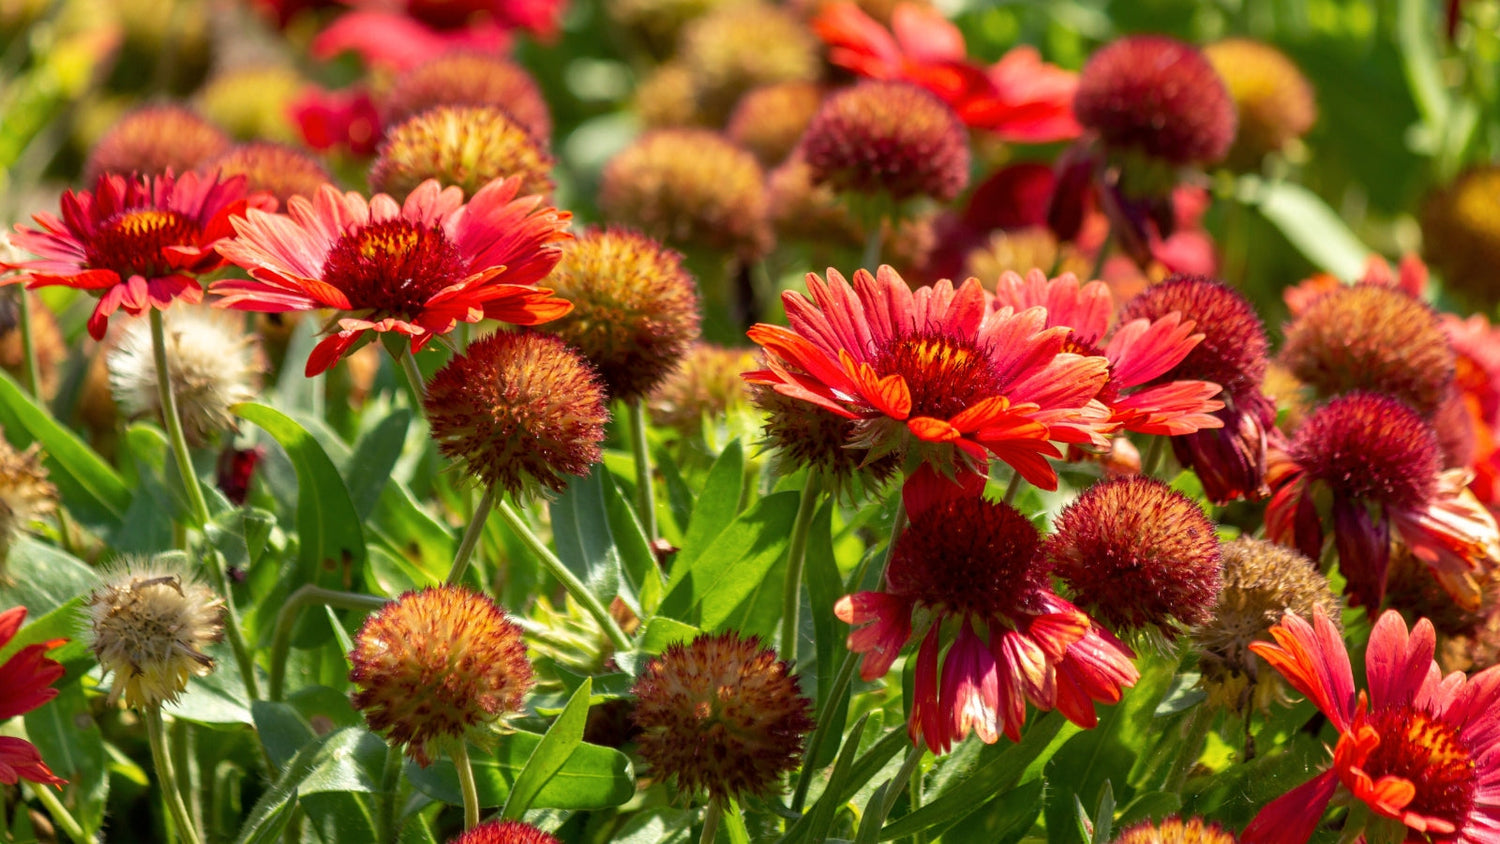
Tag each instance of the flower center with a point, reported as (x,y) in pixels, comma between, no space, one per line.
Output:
(1428,752)
(393,266)
(945,374)
(969,555)
(131,242)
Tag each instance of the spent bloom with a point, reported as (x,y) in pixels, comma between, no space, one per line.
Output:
(770,120)
(281,171)
(1417,748)
(1273,99)
(1461,233)
(968,572)
(26,496)
(138,243)
(504,832)
(934,373)
(438,665)
(214,365)
(708,383)
(520,410)
(721,714)
(464,145)
(26,680)
(416,268)
(149,624)
(155,140)
(470,78)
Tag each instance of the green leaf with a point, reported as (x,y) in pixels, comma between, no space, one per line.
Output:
(593,777)
(374,458)
(44,578)
(820,820)
(551,753)
(219,698)
(340,761)
(824,588)
(281,729)
(1001,820)
(733,824)
(637,560)
(147,526)
(1312,227)
(65,732)
(331,550)
(728,581)
(580,529)
(91,490)
(715,508)
(64,622)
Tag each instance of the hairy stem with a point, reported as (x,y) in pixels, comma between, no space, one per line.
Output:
(471,536)
(569,581)
(165,776)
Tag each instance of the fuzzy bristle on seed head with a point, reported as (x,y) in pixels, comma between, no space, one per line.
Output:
(802,435)
(740,46)
(470,78)
(1370,447)
(770,120)
(468,146)
(518,409)
(892,138)
(504,832)
(1175,830)
(1461,232)
(635,308)
(721,714)
(281,171)
(26,496)
(969,554)
(153,140)
(149,623)
(1138,555)
(1372,337)
(1233,351)
(1274,100)
(1159,96)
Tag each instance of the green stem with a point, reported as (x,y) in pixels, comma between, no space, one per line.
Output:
(390,783)
(796,558)
(471,536)
(1012,487)
(1192,747)
(199,505)
(466,785)
(31,377)
(60,814)
(712,814)
(874,240)
(413,374)
(1154,456)
(165,776)
(286,619)
(645,483)
(893,791)
(569,581)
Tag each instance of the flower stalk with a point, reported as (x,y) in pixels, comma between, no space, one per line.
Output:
(466,784)
(471,535)
(807,507)
(645,484)
(286,619)
(167,778)
(569,581)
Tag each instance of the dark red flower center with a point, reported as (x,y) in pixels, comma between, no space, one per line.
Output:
(1429,752)
(945,374)
(131,242)
(1370,447)
(393,266)
(970,555)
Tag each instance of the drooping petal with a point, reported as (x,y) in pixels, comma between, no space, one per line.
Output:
(1313,659)
(1292,817)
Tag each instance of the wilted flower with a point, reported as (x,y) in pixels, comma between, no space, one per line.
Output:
(520,410)
(25,683)
(438,666)
(155,140)
(504,832)
(738,47)
(467,146)
(417,268)
(1273,99)
(26,496)
(138,243)
(1461,233)
(214,365)
(1417,749)
(281,171)
(635,308)
(1175,831)
(149,625)
(721,714)
(470,78)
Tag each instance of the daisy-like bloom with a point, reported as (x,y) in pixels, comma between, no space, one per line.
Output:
(721,714)
(437,666)
(1140,352)
(1175,831)
(1378,460)
(149,623)
(26,496)
(969,571)
(504,832)
(469,78)
(1417,748)
(137,243)
(25,683)
(416,268)
(935,374)
(1019,98)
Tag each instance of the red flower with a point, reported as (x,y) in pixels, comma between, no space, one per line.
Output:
(418,268)
(138,243)
(25,683)
(345,118)
(935,372)
(1020,98)
(1418,748)
(1139,351)
(401,34)
(974,565)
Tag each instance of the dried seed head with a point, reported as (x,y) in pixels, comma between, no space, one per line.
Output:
(804,436)
(1274,100)
(468,146)
(770,120)
(281,171)
(437,666)
(1461,228)
(741,46)
(466,78)
(155,139)
(46,337)
(667,97)
(150,622)
(708,383)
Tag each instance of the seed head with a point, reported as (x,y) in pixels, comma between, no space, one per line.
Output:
(667,97)
(888,137)
(969,554)
(635,308)
(1372,337)
(436,666)
(1370,447)
(254,102)
(1233,351)
(770,120)
(1274,100)
(1262,581)
(1461,228)
(281,171)
(802,211)
(155,139)
(504,832)
(721,714)
(519,409)
(740,46)
(691,188)
(150,621)
(1159,96)
(1138,554)
(657,23)
(26,496)
(1175,831)
(215,364)
(465,78)
(468,146)
(47,338)
(708,383)
(804,436)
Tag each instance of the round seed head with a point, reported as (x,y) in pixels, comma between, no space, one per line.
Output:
(805,436)
(505,832)
(465,78)
(770,120)
(1461,229)
(708,383)
(1274,100)
(281,171)
(737,47)
(253,103)
(1233,351)
(153,140)
(1175,831)
(1370,447)
(468,146)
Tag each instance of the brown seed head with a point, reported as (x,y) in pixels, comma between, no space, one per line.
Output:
(1461,228)
(466,78)
(281,171)
(740,46)
(770,120)
(26,496)
(635,308)
(1372,337)
(805,436)
(519,409)
(468,146)
(708,383)
(436,666)
(1175,831)
(1274,100)
(721,714)
(667,97)
(154,139)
